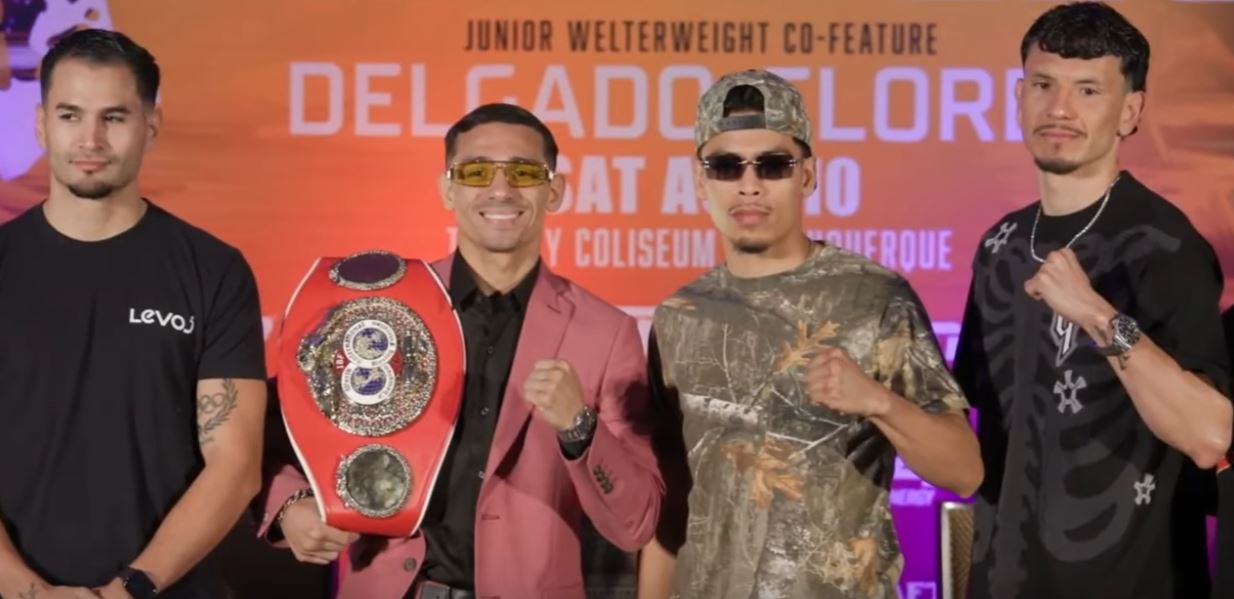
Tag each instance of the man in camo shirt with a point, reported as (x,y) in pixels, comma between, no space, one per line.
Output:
(796,371)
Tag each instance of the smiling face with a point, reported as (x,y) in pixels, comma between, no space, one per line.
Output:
(95,128)
(756,214)
(499,217)
(1074,112)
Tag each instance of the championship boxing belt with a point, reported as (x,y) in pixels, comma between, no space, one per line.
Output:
(370,380)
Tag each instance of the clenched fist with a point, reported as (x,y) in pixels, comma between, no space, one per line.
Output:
(834,380)
(554,392)
(1064,286)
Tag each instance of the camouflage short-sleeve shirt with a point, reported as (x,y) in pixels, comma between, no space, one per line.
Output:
(790,498)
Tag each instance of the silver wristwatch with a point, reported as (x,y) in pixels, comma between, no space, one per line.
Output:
(1126,334)
(581,429)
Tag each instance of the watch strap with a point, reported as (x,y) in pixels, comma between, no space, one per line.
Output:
(582,428)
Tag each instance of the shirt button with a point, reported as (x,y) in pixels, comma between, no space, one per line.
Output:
(480,474)
(484,411)
(489,351)
(409,564)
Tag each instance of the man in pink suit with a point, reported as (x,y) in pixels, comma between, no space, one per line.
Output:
(554,421)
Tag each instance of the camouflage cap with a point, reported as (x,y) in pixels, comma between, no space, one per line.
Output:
(783,108)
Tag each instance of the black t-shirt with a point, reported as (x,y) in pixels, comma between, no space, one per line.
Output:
(1080,499)
(1223,575)
(101,347)
(1223,579)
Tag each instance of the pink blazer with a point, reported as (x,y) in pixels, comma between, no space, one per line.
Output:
(530,504)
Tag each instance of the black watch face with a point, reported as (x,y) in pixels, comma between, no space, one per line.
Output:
(1126,331)
(138,584)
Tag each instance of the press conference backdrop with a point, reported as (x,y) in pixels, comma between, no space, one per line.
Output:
(297,129)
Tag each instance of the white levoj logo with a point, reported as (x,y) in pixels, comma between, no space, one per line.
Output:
(34,26)
(163,319)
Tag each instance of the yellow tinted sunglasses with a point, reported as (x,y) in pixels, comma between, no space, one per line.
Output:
(480,173)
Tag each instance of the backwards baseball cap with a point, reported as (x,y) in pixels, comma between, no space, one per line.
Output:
(783,108)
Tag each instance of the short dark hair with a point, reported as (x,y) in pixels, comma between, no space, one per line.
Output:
(101,46)
(747,98)
(1090,30)
(501,113)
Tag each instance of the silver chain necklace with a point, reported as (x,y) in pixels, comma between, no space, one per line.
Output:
(1032,236)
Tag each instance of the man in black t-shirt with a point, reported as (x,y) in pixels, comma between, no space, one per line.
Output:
(131,357)
(1092,345)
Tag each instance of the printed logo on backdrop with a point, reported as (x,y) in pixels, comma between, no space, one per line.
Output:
(650,101)
(30,28)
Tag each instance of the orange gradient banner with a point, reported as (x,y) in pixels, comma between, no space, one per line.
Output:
(303,129)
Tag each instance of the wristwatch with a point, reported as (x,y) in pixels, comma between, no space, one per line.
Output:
(581,429)
(1126,334)
(137,583)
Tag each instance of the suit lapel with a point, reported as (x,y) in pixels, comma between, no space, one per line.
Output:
(443,267)
(544,326)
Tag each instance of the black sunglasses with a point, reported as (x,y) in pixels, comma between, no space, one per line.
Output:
(730,167)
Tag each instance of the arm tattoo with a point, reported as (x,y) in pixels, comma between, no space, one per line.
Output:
(213,410)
